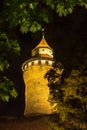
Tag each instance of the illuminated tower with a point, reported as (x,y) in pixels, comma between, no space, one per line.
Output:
(36,89)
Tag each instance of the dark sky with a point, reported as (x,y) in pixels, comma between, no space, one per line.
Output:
(63,35)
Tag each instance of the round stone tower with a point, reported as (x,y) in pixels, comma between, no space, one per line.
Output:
(36,89)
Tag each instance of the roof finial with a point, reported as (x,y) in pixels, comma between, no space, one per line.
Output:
(43,32)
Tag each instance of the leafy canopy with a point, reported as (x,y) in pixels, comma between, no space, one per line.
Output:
(30,14)
(7,48)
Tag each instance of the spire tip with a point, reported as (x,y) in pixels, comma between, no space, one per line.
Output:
(43,32)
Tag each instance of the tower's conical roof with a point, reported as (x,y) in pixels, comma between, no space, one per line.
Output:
(43,43)
(43,49)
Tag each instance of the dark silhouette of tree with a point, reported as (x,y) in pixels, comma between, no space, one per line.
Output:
(69,92)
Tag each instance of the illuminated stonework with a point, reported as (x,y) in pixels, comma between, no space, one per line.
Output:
(36,89)
(36,61)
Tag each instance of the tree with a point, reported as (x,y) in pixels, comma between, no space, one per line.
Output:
(70,95)
(7,48)
(28,15)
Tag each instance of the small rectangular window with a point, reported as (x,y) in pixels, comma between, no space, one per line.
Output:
(47,62)
(39,62)
(32,63)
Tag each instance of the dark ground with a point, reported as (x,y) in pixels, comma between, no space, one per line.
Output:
(31,123)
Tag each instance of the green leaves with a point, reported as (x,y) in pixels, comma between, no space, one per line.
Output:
(6,45)
(35,26)
(33,5)
(60,9)
(4,64)
(8,48)
(6,89)
(31,15)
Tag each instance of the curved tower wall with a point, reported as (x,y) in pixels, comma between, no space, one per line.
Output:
(36,90)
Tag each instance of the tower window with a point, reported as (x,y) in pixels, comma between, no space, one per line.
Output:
(32,63)
(39,62)
(47,62)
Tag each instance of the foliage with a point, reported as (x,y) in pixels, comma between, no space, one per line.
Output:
(54,79)
(6,89)
(70,95)
(30,15)
(7,48)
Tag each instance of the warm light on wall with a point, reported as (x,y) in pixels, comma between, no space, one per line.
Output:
(36,89)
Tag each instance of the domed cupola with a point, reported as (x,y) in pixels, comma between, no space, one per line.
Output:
(43,50)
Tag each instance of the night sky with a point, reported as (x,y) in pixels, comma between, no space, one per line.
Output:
(62,34)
